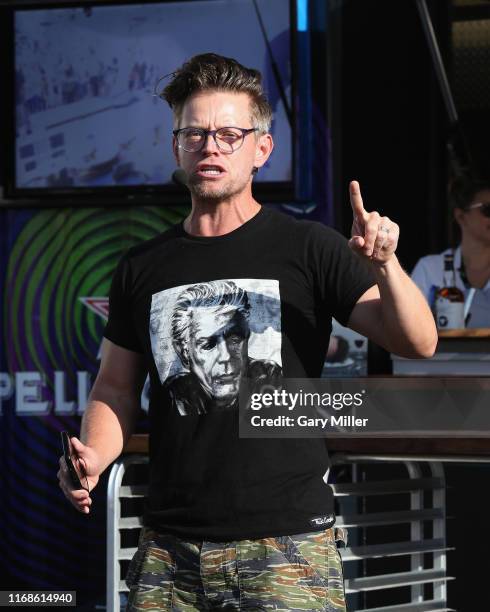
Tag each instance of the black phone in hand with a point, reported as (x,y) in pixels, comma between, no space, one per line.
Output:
(75,469)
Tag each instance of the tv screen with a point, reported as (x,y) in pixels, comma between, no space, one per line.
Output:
(86,115)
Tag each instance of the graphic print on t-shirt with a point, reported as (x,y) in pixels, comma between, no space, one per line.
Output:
(206,337)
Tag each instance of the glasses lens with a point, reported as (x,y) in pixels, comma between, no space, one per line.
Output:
(485,209)
(191,139)
(229,139)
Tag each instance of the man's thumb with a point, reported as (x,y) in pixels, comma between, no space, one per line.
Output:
(77,445)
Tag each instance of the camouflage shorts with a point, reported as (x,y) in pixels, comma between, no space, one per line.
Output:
(287,573)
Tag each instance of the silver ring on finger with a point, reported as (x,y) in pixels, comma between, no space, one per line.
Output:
(383,228)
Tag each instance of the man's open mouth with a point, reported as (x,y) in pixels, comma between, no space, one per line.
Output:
(210,171)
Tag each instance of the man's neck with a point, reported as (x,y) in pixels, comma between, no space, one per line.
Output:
(219,218)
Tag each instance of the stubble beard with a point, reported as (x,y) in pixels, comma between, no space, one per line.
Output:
(209,192)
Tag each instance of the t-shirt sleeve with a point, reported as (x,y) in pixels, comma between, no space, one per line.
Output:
(339,276)
(120,327)
(421,277)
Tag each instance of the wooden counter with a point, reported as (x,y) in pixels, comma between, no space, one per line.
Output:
(138,443)
(476,332)
(375,446)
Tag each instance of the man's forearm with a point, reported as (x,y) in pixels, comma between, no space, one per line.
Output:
(407,318)
(108,422)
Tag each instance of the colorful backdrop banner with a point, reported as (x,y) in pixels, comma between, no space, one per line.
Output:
(56,269)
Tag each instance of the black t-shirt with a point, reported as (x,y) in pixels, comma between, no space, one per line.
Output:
(206,311)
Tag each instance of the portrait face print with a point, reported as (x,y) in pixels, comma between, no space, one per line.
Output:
(207,337)
(218,349)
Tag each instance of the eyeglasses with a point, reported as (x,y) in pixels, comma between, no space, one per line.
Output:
(484,208)
(227,139)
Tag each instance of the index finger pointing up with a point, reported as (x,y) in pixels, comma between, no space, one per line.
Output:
(356,200)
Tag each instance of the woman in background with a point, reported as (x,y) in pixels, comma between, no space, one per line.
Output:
(471,208)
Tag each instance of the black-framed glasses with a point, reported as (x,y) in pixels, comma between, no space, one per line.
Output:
(227,139)
(483,207)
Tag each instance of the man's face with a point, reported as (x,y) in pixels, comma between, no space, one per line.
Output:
(472,223)
(218,349)
(212,110)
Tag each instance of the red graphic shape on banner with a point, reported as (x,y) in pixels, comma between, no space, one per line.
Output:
(99,305)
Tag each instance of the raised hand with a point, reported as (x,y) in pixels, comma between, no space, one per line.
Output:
(373,237)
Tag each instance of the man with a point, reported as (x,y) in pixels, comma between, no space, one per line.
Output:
(233,523)
(210,332)
(470,200)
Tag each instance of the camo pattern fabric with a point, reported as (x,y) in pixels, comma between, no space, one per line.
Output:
(287,573)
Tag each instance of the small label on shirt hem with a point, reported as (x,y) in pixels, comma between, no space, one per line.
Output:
(323,521)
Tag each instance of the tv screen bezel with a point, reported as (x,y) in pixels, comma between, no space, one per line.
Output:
(280,191)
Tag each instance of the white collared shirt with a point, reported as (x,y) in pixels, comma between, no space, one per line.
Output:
(428,275)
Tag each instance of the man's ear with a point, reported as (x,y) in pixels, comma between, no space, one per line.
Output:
(263,149)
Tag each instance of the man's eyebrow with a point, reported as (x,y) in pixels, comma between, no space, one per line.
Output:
(199,338)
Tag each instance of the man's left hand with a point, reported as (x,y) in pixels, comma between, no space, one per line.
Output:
(373,237)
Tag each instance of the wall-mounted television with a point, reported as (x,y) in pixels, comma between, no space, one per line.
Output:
(83,120)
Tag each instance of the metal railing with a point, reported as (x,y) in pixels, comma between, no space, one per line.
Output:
(414,502)
(421,491)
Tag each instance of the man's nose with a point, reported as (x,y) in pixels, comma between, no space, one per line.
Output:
(224,354)
(209,145)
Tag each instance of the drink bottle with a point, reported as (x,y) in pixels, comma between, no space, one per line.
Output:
(449,302)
